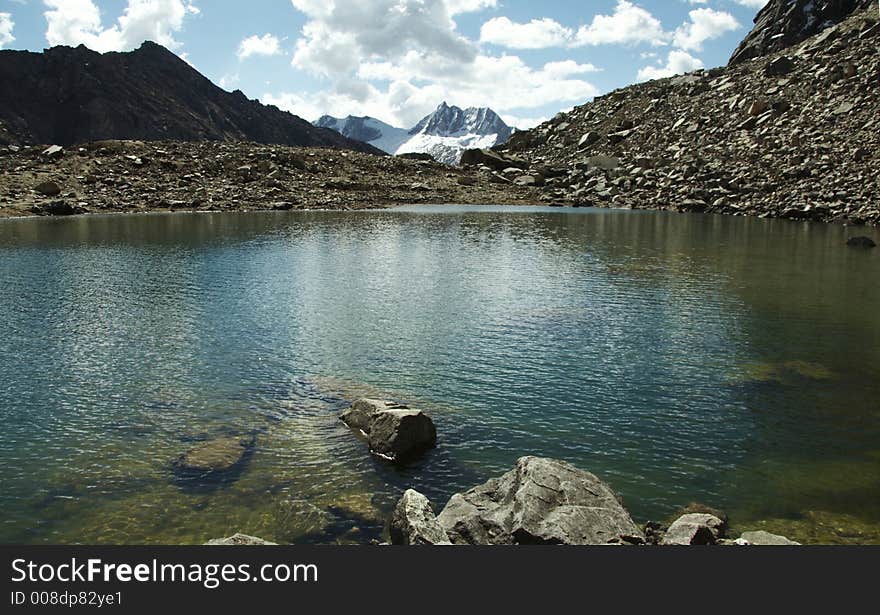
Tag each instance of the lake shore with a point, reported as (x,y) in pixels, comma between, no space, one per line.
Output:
(111,177)
(131,177)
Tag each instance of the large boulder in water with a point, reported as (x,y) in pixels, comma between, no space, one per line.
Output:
(394,431)
(861,242)
(413,522)
(541,501)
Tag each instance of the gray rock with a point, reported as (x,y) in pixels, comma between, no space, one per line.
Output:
(758,107)
(59,208)
(414,523)
(695,529)
(217,456)
(765,539)
(48,188)
(393,431)
(399,435)
(239,540)
(489,158)
(606,163)
(541,501)
(861,242)
(53,152)
(362,412)
(779,67)
(620,136)
(589,139)
(529,180)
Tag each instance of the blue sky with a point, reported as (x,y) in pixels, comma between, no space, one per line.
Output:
(398,59)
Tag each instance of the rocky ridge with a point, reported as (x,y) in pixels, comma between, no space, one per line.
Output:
(131,176)
(74,95)
(783,23)
(793,135)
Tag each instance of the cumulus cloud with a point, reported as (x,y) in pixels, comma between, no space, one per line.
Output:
(705,24)
(628,24)
(6,27)
(503,83)
(342,33)
(537,34)
(75,22)
(398,59)
(266,45)
(677,63)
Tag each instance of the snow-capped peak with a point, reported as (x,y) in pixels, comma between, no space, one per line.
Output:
(444,134)
(449,121)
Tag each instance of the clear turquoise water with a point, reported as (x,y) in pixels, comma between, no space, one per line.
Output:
(729,361)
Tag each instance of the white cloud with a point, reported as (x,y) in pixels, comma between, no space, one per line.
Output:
(396,60)
(266,45)
(629,24)
(705,24)
(678,62)
(537,34)
(457,7)
(342,33)
(75,22)
(6,27)
(753,4)
(504,83)
(523,123)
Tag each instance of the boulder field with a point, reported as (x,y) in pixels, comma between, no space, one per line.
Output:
(790,130)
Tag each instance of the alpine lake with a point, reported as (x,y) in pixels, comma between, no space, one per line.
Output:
(729,361)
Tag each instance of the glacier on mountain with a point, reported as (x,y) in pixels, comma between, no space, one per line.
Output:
(444,134)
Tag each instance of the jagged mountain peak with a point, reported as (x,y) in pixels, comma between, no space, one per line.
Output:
(448,121)
(444,134)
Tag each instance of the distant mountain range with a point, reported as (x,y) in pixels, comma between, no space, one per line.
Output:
(71,95)
(444,134)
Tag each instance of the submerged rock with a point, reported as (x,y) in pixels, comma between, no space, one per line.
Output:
(541,501)
(414,523)
(765,539)
(861,242)
(215,457)
(239,540)
(394,431)
(786,372)
(695,529)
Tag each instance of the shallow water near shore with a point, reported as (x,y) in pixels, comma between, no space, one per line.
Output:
(730,361)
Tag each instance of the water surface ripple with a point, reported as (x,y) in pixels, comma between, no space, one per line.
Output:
(681,357)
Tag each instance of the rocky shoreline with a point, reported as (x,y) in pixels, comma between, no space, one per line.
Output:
(793,135)
(790,129)
(137,177)
(540,502)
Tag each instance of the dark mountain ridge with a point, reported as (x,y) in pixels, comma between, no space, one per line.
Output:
(783,23)
(71,95)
